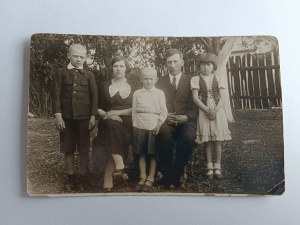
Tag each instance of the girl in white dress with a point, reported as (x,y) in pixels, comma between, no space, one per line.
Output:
(212,127)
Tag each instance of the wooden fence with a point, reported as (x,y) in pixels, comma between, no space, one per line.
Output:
(254,81)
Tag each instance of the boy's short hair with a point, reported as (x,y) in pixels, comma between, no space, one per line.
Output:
(148,69)
(173,51)
(120,58)
(76,45)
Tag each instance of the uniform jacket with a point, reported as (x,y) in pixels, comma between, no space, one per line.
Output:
(181,102)
(75,93)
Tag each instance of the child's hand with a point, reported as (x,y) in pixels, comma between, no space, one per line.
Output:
(156,130)
(59,122)
(92,123)
(211,114)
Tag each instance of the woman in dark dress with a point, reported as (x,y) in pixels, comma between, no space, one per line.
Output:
(115,125)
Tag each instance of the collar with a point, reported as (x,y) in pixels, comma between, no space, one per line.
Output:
(70,66)
(178,76)
(153,89)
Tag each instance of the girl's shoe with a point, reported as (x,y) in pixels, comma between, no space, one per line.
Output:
(140,184)
(209,171)
(148,183)
(217,171)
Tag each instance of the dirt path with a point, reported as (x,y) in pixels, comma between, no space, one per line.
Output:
(252,161)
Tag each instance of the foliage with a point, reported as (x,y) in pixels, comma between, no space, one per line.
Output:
(49,52)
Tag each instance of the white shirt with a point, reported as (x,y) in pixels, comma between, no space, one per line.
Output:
(178,76)
(70,66)
(148,106)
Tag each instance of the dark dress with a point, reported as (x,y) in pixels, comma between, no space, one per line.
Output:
(116,135)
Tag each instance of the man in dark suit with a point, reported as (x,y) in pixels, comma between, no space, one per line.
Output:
(177,135)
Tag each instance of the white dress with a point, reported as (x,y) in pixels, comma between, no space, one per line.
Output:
(211,130)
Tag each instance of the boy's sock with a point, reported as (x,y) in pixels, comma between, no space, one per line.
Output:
(84,163)
(69,163)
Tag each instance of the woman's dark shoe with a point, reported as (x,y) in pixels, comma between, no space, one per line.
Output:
(120,173)
(107,190)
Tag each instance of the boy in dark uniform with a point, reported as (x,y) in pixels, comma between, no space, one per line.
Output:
(75,106)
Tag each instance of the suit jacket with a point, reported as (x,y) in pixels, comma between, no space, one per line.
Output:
(180,103)
(75,93)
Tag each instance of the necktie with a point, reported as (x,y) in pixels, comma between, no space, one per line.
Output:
(77,70)
(173,84)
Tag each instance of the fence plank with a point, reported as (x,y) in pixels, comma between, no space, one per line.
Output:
(277,76)
(250,81)
(236,83)
(271,86)
(230,86)
(244,83)
(262,80)
(256,88)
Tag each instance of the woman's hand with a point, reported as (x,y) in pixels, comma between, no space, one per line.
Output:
(101,113)
(114,112)
(113,117)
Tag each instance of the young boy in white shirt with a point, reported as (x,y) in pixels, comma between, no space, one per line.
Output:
(149,112)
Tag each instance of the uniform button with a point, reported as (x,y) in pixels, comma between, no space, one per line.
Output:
(74,92)
(74,99)
(74,84)
(77,71)
(75,76)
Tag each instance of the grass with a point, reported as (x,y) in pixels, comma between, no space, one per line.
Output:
(252,163)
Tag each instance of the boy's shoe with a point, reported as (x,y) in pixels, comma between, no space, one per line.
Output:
(83,182)
(70,182)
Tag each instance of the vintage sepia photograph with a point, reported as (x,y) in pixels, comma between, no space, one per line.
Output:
(132,115)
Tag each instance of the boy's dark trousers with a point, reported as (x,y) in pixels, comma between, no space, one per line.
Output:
(76,135)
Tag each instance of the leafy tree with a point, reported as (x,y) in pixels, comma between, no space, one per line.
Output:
(49,52)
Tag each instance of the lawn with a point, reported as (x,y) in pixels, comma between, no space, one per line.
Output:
(252,163)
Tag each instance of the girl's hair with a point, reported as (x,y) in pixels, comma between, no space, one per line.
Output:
(120,58)
(207,58)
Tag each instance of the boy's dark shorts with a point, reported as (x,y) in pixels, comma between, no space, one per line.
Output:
(143,141)
(76,135)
